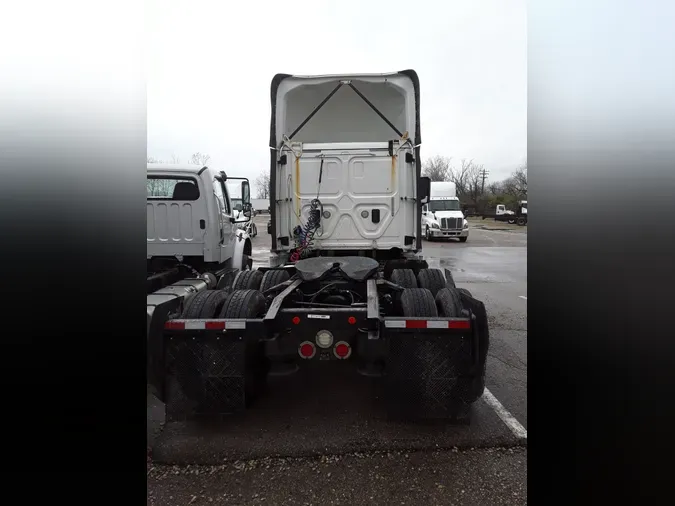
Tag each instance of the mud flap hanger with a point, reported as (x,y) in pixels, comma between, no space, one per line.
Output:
(361,95)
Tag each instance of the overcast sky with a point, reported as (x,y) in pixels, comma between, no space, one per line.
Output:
(210,63)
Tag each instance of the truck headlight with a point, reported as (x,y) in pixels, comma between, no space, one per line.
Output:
(435,225)
(466,224)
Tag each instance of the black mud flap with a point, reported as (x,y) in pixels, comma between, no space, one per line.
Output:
(427,376)
(437,374)
(204,375)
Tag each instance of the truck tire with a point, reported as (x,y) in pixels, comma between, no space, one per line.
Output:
(418,302)
(243,304)
(247,280)
(213,304)
(449,280)
(427,234)
(226,280)
(249,304)
(465,292)
(195,305)
(449,303)
(405,278)
(272,278)
(431,279)
(187,301)
(511,221)
(521,221)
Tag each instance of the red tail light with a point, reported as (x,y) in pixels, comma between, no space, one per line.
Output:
(351,320)
(342,350)
(307,350)
(296,320)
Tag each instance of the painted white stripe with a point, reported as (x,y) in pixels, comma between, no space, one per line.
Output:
(395,324)
(435,324)
(522,297)
(194,324)
(518,430)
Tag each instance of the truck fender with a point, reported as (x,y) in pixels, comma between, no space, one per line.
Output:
(242,248)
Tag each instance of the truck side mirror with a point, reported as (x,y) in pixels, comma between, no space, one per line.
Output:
(245,193)
(423,190)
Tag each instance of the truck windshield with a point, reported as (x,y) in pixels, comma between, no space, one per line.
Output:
(443,205)
(236,204)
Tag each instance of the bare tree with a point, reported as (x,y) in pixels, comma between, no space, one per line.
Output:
(199,159)
(437,168)
(152,159)
(262,186)
(516,185)
(473,179)
(175,159)
(495,188)
(520,180)
(463,175)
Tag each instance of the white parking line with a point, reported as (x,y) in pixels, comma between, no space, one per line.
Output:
(522,297)
(518,430)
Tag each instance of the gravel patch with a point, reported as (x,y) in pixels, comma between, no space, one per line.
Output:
(489,476)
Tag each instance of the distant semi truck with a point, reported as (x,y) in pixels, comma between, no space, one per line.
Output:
(519,216)
(442,216)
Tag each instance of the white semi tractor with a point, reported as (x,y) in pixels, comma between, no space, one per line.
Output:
(347,282)
(519,216)
(442,217)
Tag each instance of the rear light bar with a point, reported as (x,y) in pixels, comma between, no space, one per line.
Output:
(205,324)
(428,324)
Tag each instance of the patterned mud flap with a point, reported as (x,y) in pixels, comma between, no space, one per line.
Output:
(424,373)
(437,375)
(204,375)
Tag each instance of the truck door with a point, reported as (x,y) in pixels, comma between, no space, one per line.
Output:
(225,225)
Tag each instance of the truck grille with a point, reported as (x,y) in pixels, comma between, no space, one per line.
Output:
(451,223)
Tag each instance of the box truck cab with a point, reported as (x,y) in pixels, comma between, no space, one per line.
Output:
(442,216)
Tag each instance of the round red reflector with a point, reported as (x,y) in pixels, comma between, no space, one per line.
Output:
(351,320)
(342,350)
(296,320)
(306,350)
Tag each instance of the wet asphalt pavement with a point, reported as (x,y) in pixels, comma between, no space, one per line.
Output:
(321,437)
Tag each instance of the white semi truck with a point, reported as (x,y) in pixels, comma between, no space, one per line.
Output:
(442,217)
(346,280)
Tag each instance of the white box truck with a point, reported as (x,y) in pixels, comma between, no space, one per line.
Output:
(442,216)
